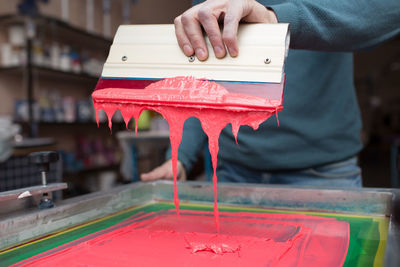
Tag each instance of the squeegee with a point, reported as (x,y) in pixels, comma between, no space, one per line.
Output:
(143,54)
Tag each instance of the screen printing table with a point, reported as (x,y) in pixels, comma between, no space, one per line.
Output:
(32,232)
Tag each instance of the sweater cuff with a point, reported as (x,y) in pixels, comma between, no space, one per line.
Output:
(287,13)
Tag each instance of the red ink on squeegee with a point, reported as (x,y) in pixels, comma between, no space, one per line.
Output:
(245,239)
(179,98)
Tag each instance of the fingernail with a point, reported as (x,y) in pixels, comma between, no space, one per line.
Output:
(219,52)
(187,49)
(232,51)
(200,53)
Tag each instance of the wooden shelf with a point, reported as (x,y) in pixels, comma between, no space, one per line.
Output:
(57,26)
(49,72)
(28,145)
(34,142)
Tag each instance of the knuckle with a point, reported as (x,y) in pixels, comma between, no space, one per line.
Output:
(195,39)
(214,37)
(197,42)
(229,19)
(186,18)
(177,20)
(229,38)
(204,13)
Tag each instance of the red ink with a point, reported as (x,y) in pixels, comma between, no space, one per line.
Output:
(177,99)
(245,239)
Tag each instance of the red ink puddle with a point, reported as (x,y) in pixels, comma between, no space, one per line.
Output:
(177,99)
(246,239)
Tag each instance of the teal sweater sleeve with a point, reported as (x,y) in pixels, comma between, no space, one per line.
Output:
(333,25)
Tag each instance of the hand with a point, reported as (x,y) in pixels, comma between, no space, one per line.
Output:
(207,15)
(164,172)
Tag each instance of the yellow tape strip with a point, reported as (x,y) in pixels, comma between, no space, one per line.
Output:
(380,253)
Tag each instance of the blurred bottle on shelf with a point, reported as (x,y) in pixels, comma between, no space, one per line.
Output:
(69,109)
(84,111)
(38,53)
(16,35)
(65,59)
(90,65)
(9,57)
(57,106)
(55,55)
(52,107)
(21,112)
(12,52)
(46,112)
(75,62)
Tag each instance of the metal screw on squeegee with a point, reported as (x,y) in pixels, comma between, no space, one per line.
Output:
(124,58)
(43,160)
(267,60)
(191,58)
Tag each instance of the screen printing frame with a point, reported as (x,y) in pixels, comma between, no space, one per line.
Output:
(28,225)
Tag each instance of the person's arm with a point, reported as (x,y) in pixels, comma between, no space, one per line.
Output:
(339,25)
(193,142)
(328,25)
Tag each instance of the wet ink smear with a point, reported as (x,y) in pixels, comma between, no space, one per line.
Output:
(245,239)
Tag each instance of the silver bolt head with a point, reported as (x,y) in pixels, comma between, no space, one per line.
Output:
(191,58)
(267,60)
(124,58)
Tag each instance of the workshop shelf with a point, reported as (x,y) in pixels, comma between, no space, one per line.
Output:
(61,27)
(40,77)
(50,72)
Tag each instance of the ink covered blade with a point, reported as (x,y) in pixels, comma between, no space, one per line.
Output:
(187,92)
(144,54)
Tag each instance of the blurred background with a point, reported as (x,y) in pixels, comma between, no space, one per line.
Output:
(51,55)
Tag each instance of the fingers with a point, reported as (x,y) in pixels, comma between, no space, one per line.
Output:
(188,30)
(181,172)
(194,34)
(161,172)
(164,171)
(232,18)
(188,26)
(210,24)
(183,41)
